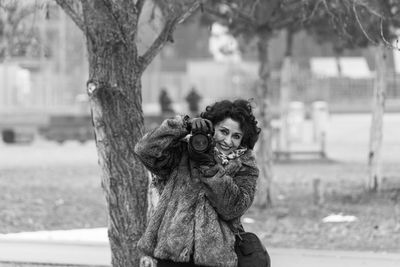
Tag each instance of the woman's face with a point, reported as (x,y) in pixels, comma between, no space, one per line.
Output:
(228,135)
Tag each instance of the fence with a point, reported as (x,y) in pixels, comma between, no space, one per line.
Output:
(342,93)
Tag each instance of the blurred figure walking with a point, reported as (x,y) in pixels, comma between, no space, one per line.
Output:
(193,100)
(165,102)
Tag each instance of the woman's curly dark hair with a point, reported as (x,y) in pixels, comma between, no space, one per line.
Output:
(239,110)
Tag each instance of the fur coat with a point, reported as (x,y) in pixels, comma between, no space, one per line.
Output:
(198,208)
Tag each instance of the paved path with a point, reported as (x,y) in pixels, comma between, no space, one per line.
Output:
(55,253)
(98,254)
(323,258)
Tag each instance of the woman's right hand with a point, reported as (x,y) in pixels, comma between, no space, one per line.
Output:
(201,125)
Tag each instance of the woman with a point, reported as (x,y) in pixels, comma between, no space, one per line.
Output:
(201,201)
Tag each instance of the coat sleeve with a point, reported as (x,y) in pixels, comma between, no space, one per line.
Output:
(232,194)
(160,150)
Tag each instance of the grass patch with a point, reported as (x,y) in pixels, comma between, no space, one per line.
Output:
(66,196)
(295,221)
(51,198)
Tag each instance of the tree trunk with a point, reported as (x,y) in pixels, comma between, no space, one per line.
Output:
(115,98)
(338,66)
(118,123)
(376,133)
(338,51)
(114,88)
(264,152)
(286,87)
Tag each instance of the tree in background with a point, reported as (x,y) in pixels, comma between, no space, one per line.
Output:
(286,85)
(351,25)
(256,20)
(385,15)
(18,37)
(116,65)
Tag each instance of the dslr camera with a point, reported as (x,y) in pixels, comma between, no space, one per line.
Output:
(201,145)
(201,142)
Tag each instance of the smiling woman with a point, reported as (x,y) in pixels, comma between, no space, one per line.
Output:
(228,136)
(204,192)
(234,122)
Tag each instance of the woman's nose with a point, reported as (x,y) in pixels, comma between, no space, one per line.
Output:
(228,140)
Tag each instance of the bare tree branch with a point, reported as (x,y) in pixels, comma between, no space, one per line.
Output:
(386,42)
(159,43)
(218,16)
(166,34)
(139,7)
(247,18)
(72,13)
(191,9)
(370,9)
(327,9)
(361,26)
(314,10)
(255,5)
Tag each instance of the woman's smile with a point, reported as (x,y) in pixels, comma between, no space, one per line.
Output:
(228,135)
(225,147)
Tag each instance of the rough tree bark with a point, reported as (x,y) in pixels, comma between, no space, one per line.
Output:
(264,151)
(376,132)
(115,98)
(114,88)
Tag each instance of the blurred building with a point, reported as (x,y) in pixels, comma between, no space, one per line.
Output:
(52,78)
(188,62)
(45,78)
(55,78)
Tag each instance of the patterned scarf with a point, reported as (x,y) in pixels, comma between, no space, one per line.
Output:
(233,155)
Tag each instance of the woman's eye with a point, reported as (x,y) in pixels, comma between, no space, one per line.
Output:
(237,137)
(224,132)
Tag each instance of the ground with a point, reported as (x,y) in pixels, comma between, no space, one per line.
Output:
(47,186)
(295,221)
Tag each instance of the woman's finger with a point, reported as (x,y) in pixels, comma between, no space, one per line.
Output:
(204,127)
(210,126)
(198,125)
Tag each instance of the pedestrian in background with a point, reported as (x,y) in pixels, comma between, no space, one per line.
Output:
(193,100)
(165,102)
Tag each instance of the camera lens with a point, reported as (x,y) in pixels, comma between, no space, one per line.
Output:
(199,142)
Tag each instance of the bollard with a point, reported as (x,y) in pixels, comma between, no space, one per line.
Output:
(318,195)
(295,122)
(320,117)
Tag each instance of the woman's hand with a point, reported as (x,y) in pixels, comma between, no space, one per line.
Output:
(210,171)
(201,125)
(233,166)
(231,169)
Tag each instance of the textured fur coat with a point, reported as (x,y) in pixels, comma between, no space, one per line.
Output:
(197,207)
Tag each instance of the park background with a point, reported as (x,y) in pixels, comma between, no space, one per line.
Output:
(55,184)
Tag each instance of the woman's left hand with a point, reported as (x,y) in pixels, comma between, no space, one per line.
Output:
(233,166)
(209,171)
(230,169)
